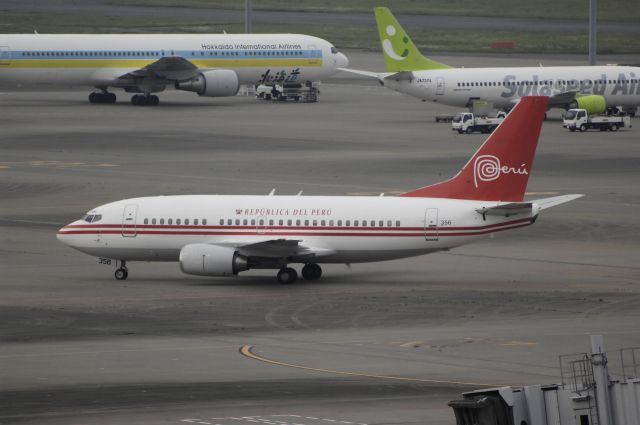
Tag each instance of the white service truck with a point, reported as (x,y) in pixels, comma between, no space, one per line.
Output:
(578,119)
(467,122)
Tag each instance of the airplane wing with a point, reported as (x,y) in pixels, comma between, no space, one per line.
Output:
(514,208)
(161,72)
(562,99)
(168,68)
(277,248)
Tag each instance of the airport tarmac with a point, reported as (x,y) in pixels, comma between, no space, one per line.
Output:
(377,343)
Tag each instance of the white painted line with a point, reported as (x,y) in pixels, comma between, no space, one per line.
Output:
(204,423)
(311,417)
(329,420)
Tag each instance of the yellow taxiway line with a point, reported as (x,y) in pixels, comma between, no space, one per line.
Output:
(247,351)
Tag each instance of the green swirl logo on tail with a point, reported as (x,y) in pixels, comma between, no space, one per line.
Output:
(400,54)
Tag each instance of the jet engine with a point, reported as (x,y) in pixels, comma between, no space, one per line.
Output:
(593,104)
(211,260)
(215,83)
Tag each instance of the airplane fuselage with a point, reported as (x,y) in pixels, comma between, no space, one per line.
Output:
(344,229)
(99,59)
(619,85)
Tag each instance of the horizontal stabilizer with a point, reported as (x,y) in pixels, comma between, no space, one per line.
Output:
(377,75)
(507,210)
(401,76)
(545,203)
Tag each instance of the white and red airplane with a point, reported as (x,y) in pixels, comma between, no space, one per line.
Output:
(220,235)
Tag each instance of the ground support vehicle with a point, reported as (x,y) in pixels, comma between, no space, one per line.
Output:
(466,122)
(578,119)
(296,92)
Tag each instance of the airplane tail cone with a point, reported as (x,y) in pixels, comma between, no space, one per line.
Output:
(500,169)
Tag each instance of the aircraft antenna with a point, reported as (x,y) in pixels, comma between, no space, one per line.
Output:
(299,193)
(272,192)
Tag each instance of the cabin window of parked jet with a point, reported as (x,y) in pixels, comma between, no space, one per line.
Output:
(178,221)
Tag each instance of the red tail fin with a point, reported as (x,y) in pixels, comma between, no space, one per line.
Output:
(499,170)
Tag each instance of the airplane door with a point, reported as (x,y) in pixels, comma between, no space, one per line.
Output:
(129,227)
(5,58)
(431,224)
(439,86)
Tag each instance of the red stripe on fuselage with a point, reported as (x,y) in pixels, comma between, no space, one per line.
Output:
(480,230)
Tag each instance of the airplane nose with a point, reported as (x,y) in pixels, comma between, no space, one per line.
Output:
(63,237)
(342,60)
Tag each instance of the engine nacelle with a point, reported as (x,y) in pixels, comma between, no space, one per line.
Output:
(215,83)
(211,260)
(593,104)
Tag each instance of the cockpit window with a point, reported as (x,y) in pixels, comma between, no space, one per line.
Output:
(334,50)
(92,218)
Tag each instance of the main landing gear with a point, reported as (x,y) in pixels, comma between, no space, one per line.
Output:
(102,97)
(310,271)
(122,272)
(145,100)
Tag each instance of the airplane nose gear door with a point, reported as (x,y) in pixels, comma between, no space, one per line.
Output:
(129,229)
(431,224)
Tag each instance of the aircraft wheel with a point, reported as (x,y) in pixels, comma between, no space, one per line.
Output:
(287,275)
(121,274)
(93,97)
(613,127)
(311,271)
(583,128)
(135,99)
(110,97)
(153,100)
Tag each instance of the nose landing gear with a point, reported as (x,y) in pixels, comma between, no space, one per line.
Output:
(122,272)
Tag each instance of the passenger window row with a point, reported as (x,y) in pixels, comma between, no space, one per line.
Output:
(107,54)
(93,54)
(178,221)
(307,222)
(540,83)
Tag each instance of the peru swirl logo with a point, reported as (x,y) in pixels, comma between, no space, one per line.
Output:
(487,168)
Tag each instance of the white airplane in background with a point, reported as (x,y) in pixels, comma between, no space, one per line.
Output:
(216,235)
(594,88)
(208,64)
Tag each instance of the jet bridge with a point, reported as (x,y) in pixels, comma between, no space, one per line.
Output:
(595,389)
